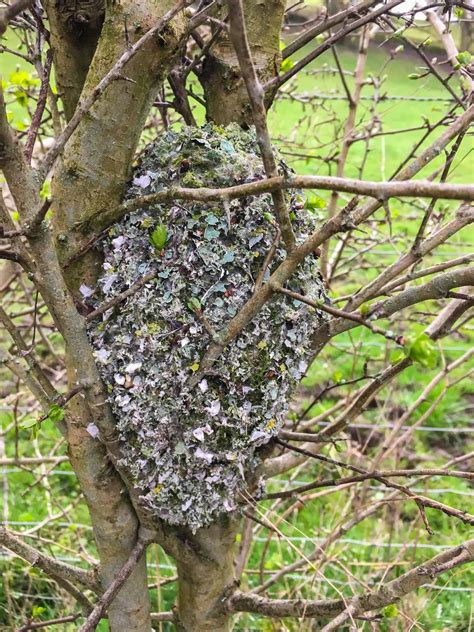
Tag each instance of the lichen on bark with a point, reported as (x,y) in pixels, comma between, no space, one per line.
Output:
(188,449)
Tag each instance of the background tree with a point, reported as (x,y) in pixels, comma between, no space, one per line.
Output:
(108,76)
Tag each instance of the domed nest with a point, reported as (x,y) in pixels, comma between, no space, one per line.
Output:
(188,448)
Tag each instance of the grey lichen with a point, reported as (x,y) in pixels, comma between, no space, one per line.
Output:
(188,449)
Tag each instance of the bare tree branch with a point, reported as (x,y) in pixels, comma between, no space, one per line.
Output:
(355,318)
(389,593)
(377,190)
(64,574)
(437,288)
(326,24)
(46,624)
(11,11)
(371,16)
(343,480)
(421,501)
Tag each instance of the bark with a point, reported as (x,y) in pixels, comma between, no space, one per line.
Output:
(75,30)
(115,527)
(94,169)
(225,92)
(92,174)
(206,578)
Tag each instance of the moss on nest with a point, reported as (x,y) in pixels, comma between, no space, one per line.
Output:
(188,449)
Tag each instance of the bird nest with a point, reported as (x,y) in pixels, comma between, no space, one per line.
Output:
(188,446)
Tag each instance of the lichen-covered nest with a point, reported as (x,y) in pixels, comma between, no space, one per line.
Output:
(188,448)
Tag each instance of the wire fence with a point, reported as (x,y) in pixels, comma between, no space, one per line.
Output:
(294,576)
(387,97)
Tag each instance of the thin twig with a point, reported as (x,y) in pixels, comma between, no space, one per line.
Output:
(356,318)
(344,480)
(46,624)
(327,44)
(121,297)
(421,501)
(40,106)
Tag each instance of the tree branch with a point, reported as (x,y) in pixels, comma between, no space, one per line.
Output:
(27,354)
(27,461)
(355,318)
(344,480)
(326,25)
(464,216)
(421,501)
(48,564)
(437,288)
(389,593)
(11,11)
(326,45)
(75,29)
(449,315)
(64,574)
(121,297)
(378,190)
(46,624)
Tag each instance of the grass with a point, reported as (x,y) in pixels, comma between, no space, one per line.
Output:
(386,151)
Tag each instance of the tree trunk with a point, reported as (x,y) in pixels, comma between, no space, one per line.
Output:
(91,176)
(115,526)
(225,92)
(75,30)
(206,578)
